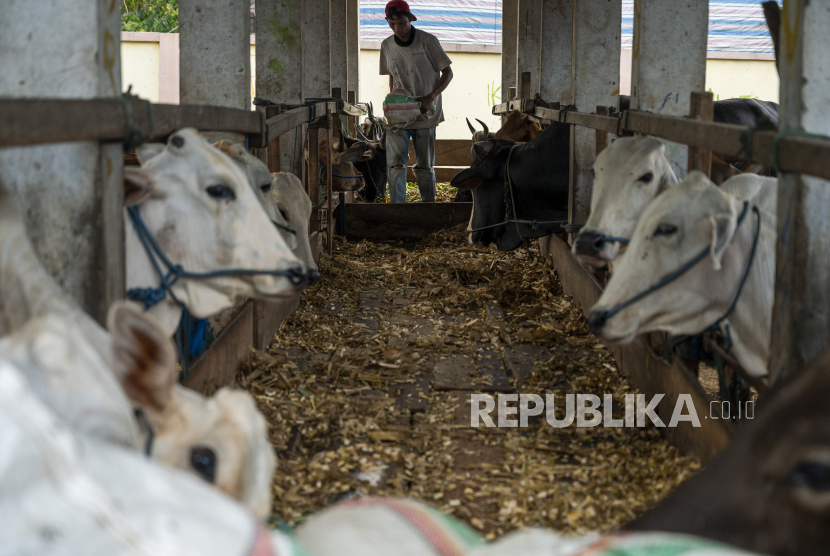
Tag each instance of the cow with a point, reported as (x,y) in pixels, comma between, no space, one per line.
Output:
(518,127)
(284,199)
(373,169)
(289,199)
(65,492)
(628,175)
(345,176)
(219,429)
(690,252)
(538,172)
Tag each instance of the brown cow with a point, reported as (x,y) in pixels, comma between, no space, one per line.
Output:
(345,177)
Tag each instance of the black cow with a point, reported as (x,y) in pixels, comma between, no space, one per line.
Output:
(539,173)
(373,170)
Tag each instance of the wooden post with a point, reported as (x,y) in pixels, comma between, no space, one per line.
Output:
(313,171)
(352,99)
(528,49)
(509,45)
(69,195)
(602,136)
(555,60)
(595,74)
(669,62)
(511,93)
(272,157)
(801,314)
(316,48)
(337,92)
(215,56)
(279,70)
(329,178)
(353,47)
(702,108)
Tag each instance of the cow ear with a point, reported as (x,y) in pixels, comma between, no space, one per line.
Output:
(350,155)
(148,150)
(723,228)
(144,358)
(138,185)
(468,179)
(366,156)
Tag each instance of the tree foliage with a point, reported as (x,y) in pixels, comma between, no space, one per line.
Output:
(152,16)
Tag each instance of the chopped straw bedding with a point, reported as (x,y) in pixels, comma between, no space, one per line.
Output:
(329,386)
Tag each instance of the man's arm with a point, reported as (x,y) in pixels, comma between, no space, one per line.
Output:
(443,81)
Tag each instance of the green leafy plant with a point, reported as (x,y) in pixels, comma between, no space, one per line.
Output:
(151,16)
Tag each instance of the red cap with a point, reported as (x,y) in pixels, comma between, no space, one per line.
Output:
(401,6)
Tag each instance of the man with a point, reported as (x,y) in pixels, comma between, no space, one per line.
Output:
(417,65)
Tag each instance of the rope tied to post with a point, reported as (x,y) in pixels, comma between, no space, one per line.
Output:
(747,136)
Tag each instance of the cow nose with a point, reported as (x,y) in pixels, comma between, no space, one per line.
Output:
(297,278)
(313,277)
(589,243)
(596,321)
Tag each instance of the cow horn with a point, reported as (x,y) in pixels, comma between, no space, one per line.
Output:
(472,129)
(359,130)
(486,129)
(340,146)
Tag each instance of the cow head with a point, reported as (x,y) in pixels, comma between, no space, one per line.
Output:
(479,136)
(769,491)
(288,198)
(373,169)
(345,177)
(223,438)
(519,127)
(260,179)
(685,221)
(198,205)
(628,175)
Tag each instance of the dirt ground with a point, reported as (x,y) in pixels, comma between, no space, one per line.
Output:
(367,391)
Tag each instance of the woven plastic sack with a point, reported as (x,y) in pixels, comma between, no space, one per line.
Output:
(539,542)
(385,526)
(402,110)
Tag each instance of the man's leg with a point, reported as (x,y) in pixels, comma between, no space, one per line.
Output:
(397,156)
(425,162)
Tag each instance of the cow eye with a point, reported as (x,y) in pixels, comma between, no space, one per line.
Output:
(812,475)
(265,188)
(203,461)
(284,214)
(665,230)
(646,178)
(222,192)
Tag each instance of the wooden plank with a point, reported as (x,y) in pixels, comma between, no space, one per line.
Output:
(602,136)
(649,373)
(287,121)
(268,317)
(448,152)
(411,221)
(521,104)
(703,109)
(272,156)
(217,366)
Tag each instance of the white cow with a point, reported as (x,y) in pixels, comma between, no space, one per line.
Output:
(628,175)
(198,205)
(284,198)
(65,493)
(224,437)
(691,218)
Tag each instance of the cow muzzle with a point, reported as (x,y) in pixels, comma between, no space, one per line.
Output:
(593,249)
(597,321)
(313,277)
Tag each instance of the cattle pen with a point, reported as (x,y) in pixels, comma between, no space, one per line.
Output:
(74,132)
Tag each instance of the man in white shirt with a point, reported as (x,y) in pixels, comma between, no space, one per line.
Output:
(418,66)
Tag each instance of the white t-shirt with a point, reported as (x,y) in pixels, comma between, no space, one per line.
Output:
(415,69)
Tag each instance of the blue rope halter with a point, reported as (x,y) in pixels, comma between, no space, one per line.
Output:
(153,296)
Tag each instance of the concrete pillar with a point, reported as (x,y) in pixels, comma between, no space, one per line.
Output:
(509,45)
(339,49)
(279,67)
(353,45)
(529,48)
(69,194)
(595,73)
(669,62)
(557,36)
(215,53)
(316,48)
(801,314)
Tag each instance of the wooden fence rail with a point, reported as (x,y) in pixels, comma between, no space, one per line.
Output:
(25,122)
(796,153)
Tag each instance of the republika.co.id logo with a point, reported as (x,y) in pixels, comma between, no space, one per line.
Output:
(586,410)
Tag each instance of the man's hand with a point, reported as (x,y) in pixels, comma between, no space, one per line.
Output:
(426,101)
